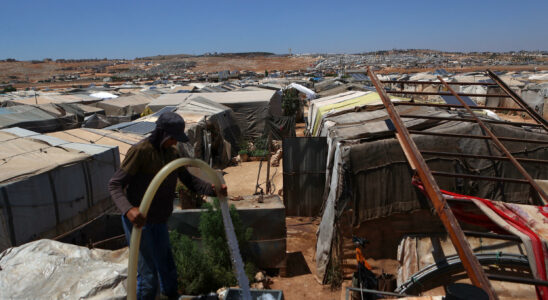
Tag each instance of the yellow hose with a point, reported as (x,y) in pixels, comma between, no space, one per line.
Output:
(145,205)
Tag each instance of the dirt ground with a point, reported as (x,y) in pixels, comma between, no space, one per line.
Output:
(241,179)
(298,281)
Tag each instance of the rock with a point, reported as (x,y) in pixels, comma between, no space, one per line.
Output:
(258,286)
(222,292)
(260,277)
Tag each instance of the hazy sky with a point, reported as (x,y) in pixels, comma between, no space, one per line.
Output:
(127,29)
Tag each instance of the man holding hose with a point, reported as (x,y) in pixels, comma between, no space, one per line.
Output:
(142,162)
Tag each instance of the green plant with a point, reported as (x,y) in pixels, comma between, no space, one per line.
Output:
(206,269)
(290,102)
(261,143)
(243,145)
(243,151)
(259,152)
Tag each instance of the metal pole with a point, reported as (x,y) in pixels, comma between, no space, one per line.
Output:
(518,100)
(499,144)
(480,137)
(469,261)
(403,103)
(269,141)
(370,291)
(447,94)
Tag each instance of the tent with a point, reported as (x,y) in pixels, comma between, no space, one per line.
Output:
(55,98)
(131,106)
(99,136)
(251,108)
(64,183)
(367,172)
(42,118)
(211,127)
(339,104)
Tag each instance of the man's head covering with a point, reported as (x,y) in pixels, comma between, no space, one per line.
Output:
(173,125)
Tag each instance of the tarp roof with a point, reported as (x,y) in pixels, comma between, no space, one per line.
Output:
(341,102)
(24,153)
(125,105)
(226,98)
(44,118)
(56,99)
(99,137)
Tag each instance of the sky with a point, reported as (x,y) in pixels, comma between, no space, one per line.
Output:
(128,29)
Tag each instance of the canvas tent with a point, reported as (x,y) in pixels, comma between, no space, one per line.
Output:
(63,182)
(251,108)
(42,118)
(56,98)
(99,136)
(211,127)
(322,108)
(131,106)
(368,173)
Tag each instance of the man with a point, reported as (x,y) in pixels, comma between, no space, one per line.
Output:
(142,162)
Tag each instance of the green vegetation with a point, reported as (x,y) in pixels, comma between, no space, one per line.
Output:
(8,89)
(259,152)
(290,102)
(207,268)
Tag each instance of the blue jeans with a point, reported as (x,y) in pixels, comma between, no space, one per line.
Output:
(155,261)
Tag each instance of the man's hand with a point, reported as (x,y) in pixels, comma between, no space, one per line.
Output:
(223,189)
(135,217)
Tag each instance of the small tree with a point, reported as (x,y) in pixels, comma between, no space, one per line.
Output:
(207,268)
(290,102)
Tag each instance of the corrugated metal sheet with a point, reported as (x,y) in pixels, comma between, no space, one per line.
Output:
(359,76)
(140,128)
(304,163)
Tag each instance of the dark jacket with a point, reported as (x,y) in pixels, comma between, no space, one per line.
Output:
(142,162)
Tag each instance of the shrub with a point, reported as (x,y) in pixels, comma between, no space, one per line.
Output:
(259,152)
(207,268)
(290,102)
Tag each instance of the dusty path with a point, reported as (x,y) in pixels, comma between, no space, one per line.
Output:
(300,282)
(241,179)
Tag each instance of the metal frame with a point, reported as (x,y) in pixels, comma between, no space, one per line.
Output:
(470,262)
(418,163)
(453,262)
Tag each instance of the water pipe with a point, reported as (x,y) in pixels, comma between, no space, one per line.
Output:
(237,262)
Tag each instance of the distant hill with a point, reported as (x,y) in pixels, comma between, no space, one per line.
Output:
(164,57)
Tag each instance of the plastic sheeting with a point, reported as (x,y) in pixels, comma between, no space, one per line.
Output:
(47,269)
(103,95)
(64,183)
(310,94)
